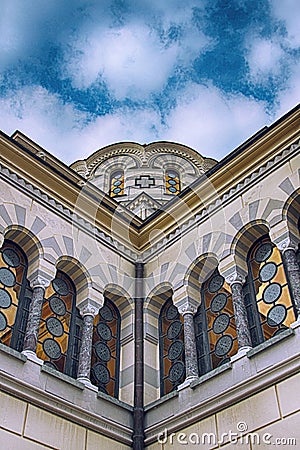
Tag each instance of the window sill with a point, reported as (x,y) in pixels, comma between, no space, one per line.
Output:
(12,352)
(114,400)
(62,376)
(161,400)
(213,373)
(273,340)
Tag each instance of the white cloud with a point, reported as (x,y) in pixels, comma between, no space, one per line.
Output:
(213,123)
(134,60)
(204,119)
(290,95)
(264,59)
(130,60)
(289,12)
(64,131)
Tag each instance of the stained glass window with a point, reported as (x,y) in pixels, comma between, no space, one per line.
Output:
(172,182)
(269,306)
(117,183)
(172,367)
(106,350)
(61,326)
(215,327)
(15,295)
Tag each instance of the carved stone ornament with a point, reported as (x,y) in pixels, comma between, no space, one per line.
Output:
(40,281)
(235,277)
(285,244)
(187,308)
(89,308)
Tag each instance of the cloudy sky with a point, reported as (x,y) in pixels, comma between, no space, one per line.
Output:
(76,75)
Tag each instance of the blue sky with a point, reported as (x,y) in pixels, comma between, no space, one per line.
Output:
(78,75)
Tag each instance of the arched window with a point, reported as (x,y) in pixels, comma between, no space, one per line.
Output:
(106,349)
(214,322)
(269,306)
(171,348)
(117,183)
(15,295)
(61,325)
(172,182)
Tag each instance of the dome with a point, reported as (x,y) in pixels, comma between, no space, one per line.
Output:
(143,177)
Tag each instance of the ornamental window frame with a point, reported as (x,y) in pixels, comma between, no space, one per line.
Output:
(106,349)
(172,181)
(60,321)
(214,323)
(166,340)
(16,293)
(117,183)
(267,299)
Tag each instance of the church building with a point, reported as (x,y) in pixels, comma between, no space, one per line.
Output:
(150,295)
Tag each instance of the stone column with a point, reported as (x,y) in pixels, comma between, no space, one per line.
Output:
(293,272)
(88,309)
(39,285)
(1,239)
(236,282)
(190,349)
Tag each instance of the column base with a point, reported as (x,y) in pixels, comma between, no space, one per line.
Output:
(295,324)
(241,353)
(187,382)
(87,382)
(32,357)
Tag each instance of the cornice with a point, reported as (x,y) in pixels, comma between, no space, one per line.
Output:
(66,213)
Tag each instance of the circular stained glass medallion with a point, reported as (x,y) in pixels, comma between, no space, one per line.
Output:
(104,331)
(263,252)
(267,272)
(58,306)
(172,175)
(218,302)
(276,315)
(223,345)
(10,257)
(215,284)
(102,351)
(221,323)
(7,277)
(118,175)
(106,313)
(172,189)
(54,326)
(117,183)
(3,322)
(175,350)
(172,312)
(176,371)
(116,190)
(272,293)
(52,348)
(172,182)
(101,372)
(174,329)
(5,298)
(60,286)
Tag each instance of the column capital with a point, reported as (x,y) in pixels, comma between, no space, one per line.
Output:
(235,278)
(285,243)
(39,281)
(89,307)
(187,308)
